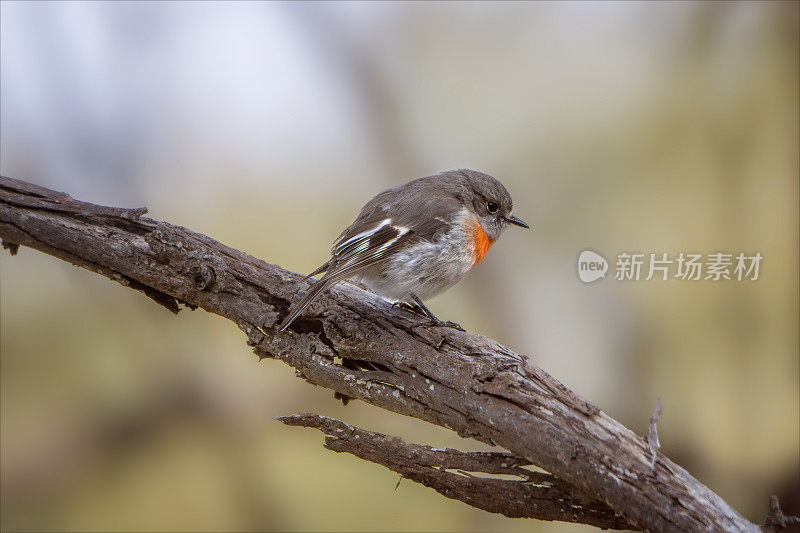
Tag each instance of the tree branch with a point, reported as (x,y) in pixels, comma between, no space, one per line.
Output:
(354,343)
(531,495)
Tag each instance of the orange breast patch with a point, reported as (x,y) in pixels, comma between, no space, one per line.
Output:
(480,241)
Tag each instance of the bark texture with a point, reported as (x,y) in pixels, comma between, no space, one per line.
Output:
(472,477)
(355,344)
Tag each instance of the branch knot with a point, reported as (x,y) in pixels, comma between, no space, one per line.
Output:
(203,276)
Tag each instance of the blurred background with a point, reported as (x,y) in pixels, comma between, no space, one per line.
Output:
(619,127)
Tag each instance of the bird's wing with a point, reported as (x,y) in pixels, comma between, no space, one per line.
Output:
(374,236)
(358,249)
(351,254)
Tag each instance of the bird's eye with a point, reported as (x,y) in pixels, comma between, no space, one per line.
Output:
(492,207)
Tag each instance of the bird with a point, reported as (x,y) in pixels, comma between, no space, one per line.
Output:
(413,242)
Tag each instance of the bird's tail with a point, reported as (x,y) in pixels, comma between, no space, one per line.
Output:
(296,309)
(323,268)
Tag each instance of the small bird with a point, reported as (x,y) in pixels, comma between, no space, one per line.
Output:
(416,240)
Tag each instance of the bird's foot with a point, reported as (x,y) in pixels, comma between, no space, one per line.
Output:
(446,324)
(419,308)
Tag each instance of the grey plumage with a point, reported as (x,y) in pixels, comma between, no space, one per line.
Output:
(413,240)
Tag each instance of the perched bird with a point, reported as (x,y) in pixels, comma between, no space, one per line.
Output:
(415,241)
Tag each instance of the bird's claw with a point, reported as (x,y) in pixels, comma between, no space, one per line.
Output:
(420,309)
(447,324)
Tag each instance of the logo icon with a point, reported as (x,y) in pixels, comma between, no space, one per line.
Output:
(591,266)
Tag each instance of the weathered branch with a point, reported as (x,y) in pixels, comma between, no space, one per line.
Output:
(531,495)
(354,343)
(776,520)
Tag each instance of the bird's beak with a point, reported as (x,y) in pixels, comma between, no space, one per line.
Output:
(517,222)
